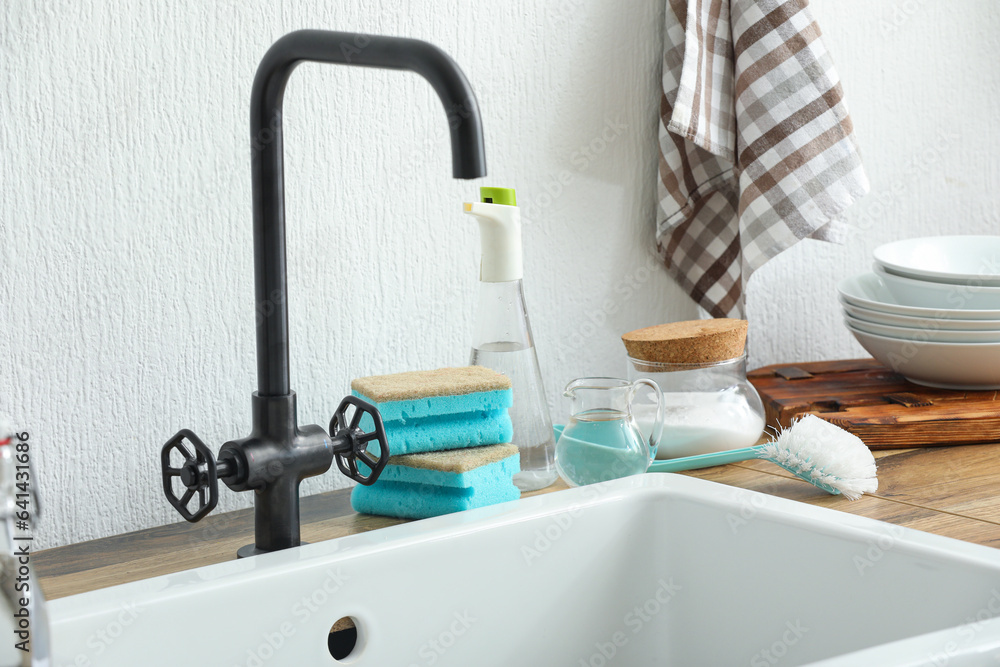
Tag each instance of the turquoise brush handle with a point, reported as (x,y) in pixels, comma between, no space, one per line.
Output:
(695,462)
(722,458)
(705,460)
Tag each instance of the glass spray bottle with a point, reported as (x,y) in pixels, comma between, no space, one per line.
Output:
(502,339)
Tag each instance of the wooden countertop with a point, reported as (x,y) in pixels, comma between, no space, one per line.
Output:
(951,491)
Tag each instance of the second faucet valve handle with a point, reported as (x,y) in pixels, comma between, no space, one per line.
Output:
(350,442)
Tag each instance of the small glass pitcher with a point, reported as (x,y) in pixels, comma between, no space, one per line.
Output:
(602,440)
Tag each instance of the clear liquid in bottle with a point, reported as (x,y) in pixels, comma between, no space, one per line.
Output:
(530,416)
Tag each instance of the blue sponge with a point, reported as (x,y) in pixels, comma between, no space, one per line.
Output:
(432,434)
(432,406)
(417,486)
(448,408)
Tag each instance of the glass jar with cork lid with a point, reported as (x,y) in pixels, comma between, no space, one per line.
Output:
(701,368)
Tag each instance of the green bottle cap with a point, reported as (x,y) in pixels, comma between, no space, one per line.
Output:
(503,196)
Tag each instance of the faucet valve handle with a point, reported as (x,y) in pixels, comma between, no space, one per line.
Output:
(350,442)
(198,473)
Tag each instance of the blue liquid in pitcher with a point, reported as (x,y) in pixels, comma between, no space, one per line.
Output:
(599,445)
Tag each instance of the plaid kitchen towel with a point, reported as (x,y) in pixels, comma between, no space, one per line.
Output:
(757,150)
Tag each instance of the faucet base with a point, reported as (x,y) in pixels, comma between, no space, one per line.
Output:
(250,550)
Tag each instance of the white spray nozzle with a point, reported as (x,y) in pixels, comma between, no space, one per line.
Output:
(500,232)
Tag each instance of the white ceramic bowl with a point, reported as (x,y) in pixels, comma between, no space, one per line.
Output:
(969,366)
(894,320)
(867,290)
(958,260)
(925,294)
(920,335)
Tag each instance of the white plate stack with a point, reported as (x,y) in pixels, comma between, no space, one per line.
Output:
(930,310)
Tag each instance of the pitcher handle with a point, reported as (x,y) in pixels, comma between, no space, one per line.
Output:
(657,434)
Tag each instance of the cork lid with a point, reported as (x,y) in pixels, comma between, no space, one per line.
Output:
(691,342)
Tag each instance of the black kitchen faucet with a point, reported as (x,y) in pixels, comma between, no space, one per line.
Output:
(278,454)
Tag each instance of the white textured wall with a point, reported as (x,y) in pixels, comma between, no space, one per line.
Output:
(125,215)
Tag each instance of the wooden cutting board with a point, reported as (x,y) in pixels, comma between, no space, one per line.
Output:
(876,404)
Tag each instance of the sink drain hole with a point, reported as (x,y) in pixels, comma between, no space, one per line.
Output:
(343,638)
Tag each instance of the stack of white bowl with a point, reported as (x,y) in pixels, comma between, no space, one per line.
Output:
(930,310)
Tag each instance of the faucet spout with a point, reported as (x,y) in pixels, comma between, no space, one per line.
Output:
(467,148)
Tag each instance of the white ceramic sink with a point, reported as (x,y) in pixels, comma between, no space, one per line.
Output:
(649,570)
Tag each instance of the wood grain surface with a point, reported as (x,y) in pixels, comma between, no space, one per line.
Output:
(878,405)
(951,491)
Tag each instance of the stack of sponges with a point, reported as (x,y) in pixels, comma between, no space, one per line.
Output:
(448,432)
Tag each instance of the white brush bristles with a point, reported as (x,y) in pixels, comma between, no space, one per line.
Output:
(825,454)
